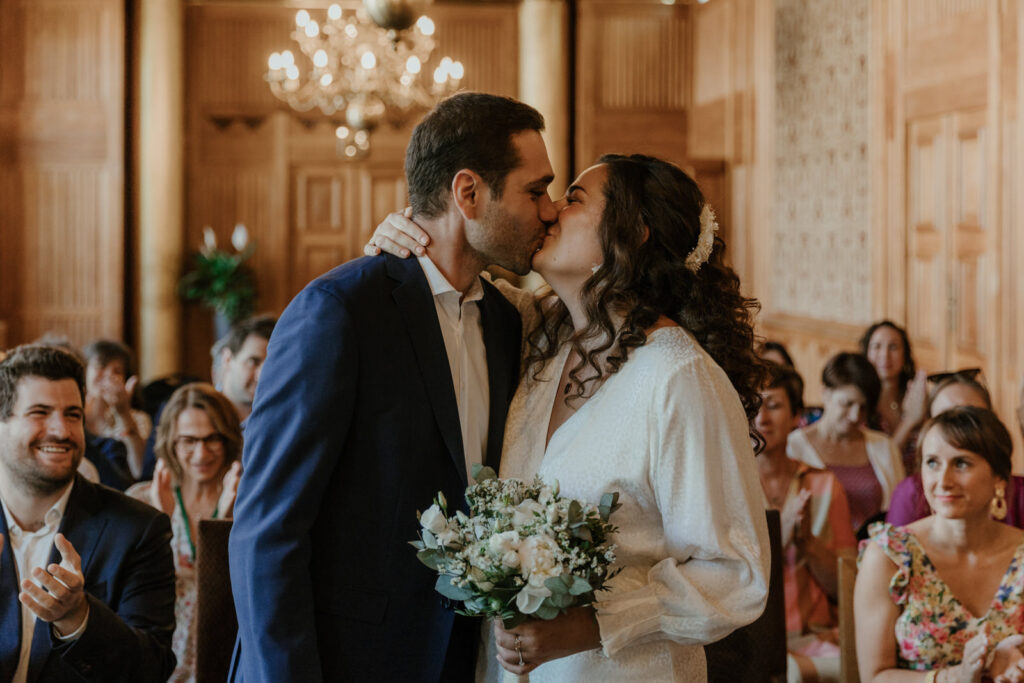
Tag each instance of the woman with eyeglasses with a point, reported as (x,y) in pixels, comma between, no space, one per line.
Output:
(954,389)
(198,449)
(902,403)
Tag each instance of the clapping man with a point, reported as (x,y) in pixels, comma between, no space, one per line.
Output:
(86,577)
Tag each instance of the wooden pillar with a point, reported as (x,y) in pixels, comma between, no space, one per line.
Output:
(160,178)
(544,77)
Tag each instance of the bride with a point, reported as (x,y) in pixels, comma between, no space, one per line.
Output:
(639,377)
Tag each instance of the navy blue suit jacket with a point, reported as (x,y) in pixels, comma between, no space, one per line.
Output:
(125,547)
(355,427)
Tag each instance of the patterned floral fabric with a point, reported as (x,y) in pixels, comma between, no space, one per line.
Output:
(933,626)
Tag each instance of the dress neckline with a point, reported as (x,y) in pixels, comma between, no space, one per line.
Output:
(1004,583)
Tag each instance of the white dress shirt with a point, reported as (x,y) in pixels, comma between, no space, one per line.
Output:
(31,549)
(459,317)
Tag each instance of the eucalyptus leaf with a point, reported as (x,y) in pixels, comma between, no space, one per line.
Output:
(417,544)
(431,558)
(510,622)
(575,512)
(579,586)
(584,533)
(547,611)
(556,585)
(445,587)
(483,473)
(561,600)
(429,539)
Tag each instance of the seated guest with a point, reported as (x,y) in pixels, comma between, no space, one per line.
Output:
(198,445)
(109,384)
(901,403)
(241,361)
(94,569)
(946,593)
(865,461)
(815,526)
(908,500)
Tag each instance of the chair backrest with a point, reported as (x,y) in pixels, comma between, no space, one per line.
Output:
(847,577)
(757,652)
(216,623)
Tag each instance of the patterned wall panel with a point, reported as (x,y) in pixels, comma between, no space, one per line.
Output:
(822,250)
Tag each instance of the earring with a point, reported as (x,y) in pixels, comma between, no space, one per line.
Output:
(997,508)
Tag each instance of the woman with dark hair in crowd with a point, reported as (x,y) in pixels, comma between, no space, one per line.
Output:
(908,500)
(640,377)
(945,594)
(902,402)
(865,461)
(198,449)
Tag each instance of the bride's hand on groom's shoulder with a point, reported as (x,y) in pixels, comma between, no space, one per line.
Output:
(539,641)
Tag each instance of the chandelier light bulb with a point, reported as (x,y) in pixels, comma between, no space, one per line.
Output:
(301,18)
(274,63)
(350,151)
(351,31)
(413,65)
(334,12)
(320,58)
(440,75)
(446,63)
(287,59)
(457,71)
(341,132)
(361,137)
(312,29)
(425,25)
(368,60)
(292,72)
(326,80)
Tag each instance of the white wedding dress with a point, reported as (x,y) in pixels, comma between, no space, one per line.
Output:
(669,434)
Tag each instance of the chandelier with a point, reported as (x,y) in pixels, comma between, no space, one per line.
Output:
(362,66)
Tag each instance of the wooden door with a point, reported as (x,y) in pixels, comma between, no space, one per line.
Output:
(949,252)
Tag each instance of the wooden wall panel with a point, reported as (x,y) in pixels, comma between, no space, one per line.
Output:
(62,232)
(633,79)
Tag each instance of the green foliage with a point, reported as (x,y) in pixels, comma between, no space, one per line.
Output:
(221,281)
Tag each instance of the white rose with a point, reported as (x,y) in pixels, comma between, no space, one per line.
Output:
(510,559)
(433,520)
(537,559)
(447,537)
(506,541)
(525,513)
(530,598)
(545,495)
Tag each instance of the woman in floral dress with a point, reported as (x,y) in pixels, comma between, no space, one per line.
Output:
(944,596)
(198,446)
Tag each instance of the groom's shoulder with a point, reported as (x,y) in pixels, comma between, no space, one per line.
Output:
(351,276)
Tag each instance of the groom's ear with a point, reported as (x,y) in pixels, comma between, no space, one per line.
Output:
(467,193)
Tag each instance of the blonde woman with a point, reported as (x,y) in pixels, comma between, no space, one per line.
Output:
(198,445)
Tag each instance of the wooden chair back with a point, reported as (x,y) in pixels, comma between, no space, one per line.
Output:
(757,653)
(847,576)
(216,623)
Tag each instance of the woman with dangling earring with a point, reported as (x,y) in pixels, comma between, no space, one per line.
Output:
(944,595)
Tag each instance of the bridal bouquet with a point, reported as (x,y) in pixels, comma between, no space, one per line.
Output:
(522,551)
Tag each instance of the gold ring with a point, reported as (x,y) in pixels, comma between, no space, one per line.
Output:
(519,651)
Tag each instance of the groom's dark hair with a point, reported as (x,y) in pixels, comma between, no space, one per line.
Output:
(469,130)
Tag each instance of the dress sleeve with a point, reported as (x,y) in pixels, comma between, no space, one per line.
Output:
(893,542)
(714,575)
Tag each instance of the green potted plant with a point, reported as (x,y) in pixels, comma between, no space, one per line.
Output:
(221,280)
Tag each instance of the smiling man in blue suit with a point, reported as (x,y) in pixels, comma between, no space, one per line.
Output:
(386,380)
(86,573)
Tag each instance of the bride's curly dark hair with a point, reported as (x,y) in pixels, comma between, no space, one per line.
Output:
(650,224)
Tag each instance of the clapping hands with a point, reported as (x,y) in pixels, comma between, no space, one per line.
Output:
(59,596)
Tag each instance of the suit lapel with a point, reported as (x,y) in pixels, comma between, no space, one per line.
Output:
(416,304)
(502,345)
(83,528)
(10,608)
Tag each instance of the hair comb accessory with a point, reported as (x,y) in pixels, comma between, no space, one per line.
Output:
(705,241)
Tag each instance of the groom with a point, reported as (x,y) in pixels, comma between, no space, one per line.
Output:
(385,381)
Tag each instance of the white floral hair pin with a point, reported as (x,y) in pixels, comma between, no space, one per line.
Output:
(705,241)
